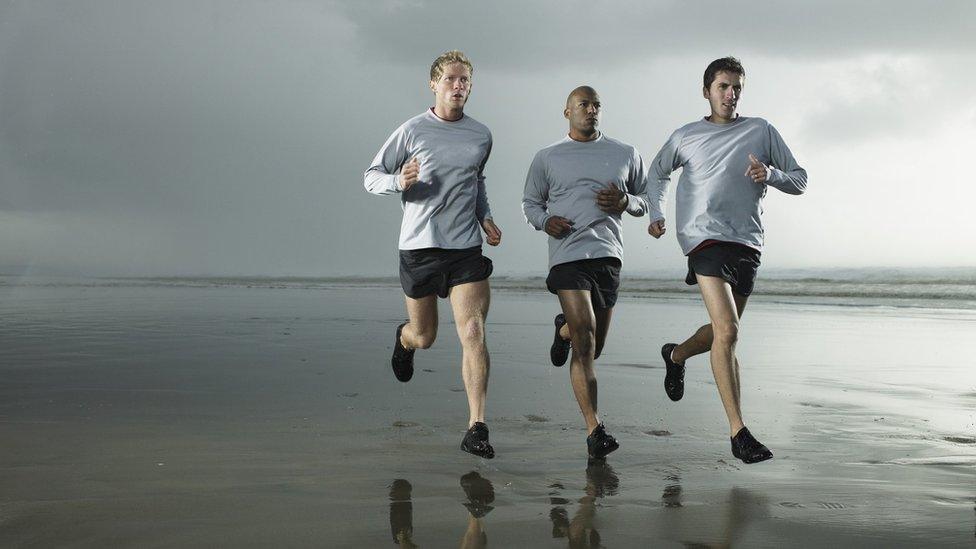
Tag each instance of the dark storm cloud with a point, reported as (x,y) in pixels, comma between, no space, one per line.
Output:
(108,105)
(517,35)
(208,132)
(181,137)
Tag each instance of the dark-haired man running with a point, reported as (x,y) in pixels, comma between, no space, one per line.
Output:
(728,161)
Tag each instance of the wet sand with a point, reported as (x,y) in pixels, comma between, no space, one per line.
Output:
(249,417)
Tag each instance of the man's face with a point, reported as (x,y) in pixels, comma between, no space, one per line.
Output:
(583,112)
(451,90)
(723,95)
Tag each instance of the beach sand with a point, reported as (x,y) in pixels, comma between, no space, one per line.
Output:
(253,417)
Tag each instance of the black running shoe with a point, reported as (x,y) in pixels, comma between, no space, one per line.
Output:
(599,443)
(559,351)
(674,379)
(402,358)
(748,449)
(475,441)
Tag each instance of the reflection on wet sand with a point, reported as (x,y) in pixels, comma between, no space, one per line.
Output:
(683,519)
(479,493)
(672,493)
(741,508)
(601,481)
(401,513)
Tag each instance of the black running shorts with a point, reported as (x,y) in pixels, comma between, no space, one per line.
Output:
(431,271)
(600,276)
(737,264)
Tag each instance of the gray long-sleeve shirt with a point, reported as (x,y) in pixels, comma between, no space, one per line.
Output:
(714,199)
(444,208)
(563,180)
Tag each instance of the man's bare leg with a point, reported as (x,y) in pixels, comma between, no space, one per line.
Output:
(581,321)
(588,332)
(701,341)
(421,331)
(720,304)
(418,332)
(602,327)
(470,304)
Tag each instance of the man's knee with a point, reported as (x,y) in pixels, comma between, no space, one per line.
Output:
(472,332)
(725,333)
(584,338)
(423,338)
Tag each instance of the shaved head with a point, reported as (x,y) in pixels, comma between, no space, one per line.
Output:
(583,112)
(581,91)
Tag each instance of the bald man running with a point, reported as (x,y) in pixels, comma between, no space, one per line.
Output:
(576,191)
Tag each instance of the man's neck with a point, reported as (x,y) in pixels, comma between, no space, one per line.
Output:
(577,136)
(714,119)
(447,113)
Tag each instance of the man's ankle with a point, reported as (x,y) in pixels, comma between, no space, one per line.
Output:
(675,354)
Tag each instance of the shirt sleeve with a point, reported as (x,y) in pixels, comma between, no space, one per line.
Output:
(482,210)
(383,175)
(659,175)
(784,174)
(637,187)
(535,198)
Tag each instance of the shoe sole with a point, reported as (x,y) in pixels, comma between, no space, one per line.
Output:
(490,454)
(756,460)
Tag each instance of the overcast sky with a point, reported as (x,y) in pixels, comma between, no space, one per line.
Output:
(230,137)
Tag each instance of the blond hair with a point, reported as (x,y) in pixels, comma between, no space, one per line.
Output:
(445,59)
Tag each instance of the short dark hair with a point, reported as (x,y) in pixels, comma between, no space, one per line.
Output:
(727,64)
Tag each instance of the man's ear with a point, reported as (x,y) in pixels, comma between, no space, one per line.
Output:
(704,92)
(566,113)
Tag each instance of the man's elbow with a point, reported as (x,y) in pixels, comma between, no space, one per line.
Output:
(800,187)
(373,182)
(795,190)
(796,182)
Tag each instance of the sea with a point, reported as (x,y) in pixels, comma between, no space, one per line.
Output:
(945,288)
